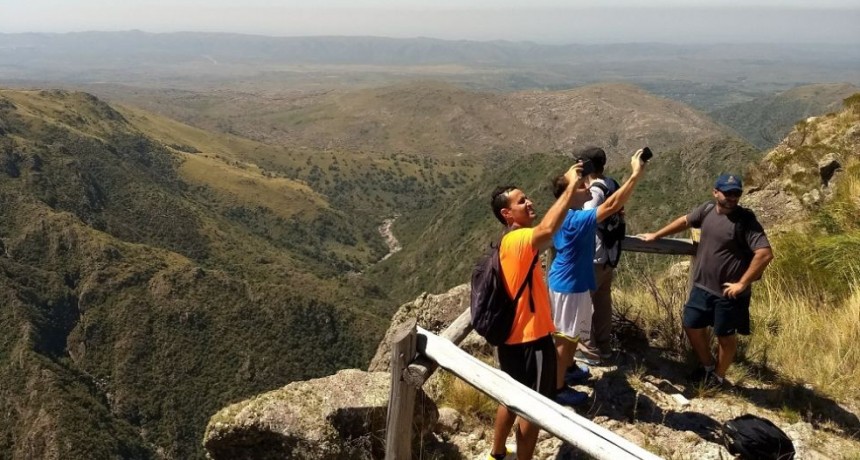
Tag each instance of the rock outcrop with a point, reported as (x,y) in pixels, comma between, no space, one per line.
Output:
(335,417)
(796,178)
(434,312)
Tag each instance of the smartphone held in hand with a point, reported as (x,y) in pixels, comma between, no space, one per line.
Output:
(587,166)
(646,155)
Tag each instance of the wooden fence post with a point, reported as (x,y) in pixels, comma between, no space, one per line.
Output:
(401,400)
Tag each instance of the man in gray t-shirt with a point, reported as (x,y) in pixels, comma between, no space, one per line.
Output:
(733,252)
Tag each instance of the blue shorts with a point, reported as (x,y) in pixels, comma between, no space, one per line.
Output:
(727,316)
(533,364)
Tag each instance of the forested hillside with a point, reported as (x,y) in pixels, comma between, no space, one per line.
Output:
(147,282)
(766,120)
(155,271)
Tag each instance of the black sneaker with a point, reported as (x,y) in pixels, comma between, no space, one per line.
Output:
(698,376)
(713,382)
(576,374)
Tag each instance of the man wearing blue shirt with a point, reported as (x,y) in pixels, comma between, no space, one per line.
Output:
(571,276)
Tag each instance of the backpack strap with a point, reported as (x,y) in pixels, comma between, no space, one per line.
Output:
(604,188)
(601,186)
(528,282)
(740,229)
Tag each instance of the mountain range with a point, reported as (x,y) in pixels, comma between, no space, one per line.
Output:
(166,253)
(708,77)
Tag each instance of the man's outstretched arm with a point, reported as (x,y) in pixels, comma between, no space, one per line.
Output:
(675,226)
(615,202)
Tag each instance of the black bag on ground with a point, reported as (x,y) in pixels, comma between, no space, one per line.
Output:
(491,306)
(757,438)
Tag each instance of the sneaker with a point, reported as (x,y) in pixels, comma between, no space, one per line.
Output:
(713,382)
(586,358)
(508,452)
(576,375)
(571,397)
(697,376)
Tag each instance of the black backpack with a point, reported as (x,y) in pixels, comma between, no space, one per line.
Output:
(756,438)
(492,308)
(613,228)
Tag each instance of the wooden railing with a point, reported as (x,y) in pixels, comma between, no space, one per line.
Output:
(417,353)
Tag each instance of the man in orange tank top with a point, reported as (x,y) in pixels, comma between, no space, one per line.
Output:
(528,355)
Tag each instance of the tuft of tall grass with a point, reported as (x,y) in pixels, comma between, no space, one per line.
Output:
(805,338)
(805,312)
(471,403)
(800,330)
(654,302)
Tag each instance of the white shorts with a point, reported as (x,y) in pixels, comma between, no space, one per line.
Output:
(572,313)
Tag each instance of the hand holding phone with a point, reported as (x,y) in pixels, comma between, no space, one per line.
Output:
(587,166)
(646,155)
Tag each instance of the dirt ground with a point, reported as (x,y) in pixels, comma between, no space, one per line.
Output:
(643,395)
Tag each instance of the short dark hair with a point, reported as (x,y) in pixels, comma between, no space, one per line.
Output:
(499,201)
(559,185)
(597,157)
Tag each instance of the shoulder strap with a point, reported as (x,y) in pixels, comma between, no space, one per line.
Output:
(601,186)
(741,227)
(528,279)
(528,282)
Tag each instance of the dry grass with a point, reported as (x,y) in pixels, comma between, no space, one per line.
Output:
(807,340)
(247,185)
(471,403)
(173,132)
(802,333)
(654,303)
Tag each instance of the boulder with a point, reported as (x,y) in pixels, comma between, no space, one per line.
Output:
(450,421)
(433,312)
(334,417)
(827,166)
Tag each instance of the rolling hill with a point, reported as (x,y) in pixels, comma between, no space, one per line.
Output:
(708,76)
(438,119)
(764,121)
(154,271)
(691,151)
(150,276)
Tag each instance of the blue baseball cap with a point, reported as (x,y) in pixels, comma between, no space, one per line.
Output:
(728,182)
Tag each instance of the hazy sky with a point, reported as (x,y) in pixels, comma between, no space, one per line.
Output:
(545,21)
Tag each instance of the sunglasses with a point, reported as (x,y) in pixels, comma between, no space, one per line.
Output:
(732,193)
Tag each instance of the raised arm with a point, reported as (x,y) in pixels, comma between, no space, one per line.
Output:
(542,234)
(615,202)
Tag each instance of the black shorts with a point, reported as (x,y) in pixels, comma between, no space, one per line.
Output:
(727,316)
(531,363)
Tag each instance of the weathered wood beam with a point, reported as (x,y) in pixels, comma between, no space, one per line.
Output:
(401,400)
(589,437)
(422,368)
(670,246)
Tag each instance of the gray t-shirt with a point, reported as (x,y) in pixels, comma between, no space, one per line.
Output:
(597,198)
(719,259)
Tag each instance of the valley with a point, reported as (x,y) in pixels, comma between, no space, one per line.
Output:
(179,233)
